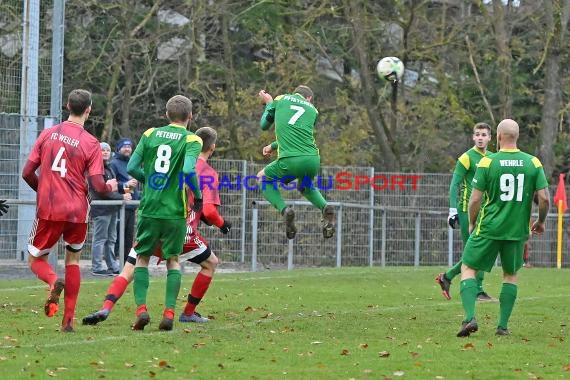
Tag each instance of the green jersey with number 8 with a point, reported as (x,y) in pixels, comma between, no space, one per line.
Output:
(295,119)
(163,151)
(509,178)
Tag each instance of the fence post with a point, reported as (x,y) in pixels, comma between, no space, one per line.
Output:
(254,216)
(290,254)
(371,223)
(449,246)
(417,241)
(339,238)
(122,236)
(243,211)
(383,242)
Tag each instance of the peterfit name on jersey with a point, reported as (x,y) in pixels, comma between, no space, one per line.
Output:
(65,139)
(169,135)
(511,162)
(297,100)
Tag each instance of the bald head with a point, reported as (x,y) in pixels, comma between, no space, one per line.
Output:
(507,132)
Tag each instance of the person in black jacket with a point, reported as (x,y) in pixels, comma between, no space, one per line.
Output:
(104,219)
(123,152)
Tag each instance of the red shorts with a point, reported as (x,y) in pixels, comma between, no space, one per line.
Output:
(46,233)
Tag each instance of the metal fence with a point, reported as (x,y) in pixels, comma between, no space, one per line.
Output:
(398,225)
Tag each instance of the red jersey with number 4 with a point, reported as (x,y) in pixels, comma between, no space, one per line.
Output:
(65,153)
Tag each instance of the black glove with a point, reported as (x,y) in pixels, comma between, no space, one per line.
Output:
(203,219)
(226,227)
(453,218)
(197,206)
(3,207)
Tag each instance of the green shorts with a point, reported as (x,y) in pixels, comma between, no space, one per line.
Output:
(463,225)
(481,253)
(293,167)
(170,233)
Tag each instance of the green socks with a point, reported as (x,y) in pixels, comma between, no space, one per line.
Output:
(141,282)
(456,270)
(453,271)
(480,276)
(468,289)
(507,300)
(173,279)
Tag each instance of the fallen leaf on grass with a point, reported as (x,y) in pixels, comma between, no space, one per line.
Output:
(221,366)
(399,373)
(51,373)
(164,364)
(151,374)
(566,367)
(316,342)
(383,354)
(249,308)
(489,345)
(469,346)
(345,352)
(187,330)
(414,354)
(267,315)
(129,365)
(363,345)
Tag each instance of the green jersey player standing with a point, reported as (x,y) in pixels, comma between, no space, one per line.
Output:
(298,157)
(462,177)
(500,226)
(165,153)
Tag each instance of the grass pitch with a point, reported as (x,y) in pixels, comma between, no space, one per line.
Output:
(350,323)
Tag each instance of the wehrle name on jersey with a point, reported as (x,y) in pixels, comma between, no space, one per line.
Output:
(511,162)
(169,135)
(66,139)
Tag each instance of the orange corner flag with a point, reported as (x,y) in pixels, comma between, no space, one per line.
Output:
(561,194)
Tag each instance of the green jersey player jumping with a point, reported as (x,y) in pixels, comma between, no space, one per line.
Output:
(298,157)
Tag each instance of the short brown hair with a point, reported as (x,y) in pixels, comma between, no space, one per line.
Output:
(78,101)
(482,126)
(305,91)
(209,137)
(178,108)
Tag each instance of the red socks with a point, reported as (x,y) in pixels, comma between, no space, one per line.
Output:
(70,292)
(44,271)
(115,291)
(199,288)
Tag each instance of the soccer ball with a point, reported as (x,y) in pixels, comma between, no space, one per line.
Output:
(390,68)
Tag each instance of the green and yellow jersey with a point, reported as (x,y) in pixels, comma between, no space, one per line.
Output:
(163,151)
(463,176)
(295,120)
(509,178)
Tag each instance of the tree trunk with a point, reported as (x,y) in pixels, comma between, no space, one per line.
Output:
(504,58)
(233,149)
(556,22)
(386,158)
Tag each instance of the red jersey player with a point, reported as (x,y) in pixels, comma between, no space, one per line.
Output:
(63,153)
(195,247)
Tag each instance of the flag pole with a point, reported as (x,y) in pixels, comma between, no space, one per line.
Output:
(559,242)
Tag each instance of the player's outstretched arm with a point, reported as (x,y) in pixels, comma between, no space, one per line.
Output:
(212,215)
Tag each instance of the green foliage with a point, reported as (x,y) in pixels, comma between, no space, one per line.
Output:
(276,45)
